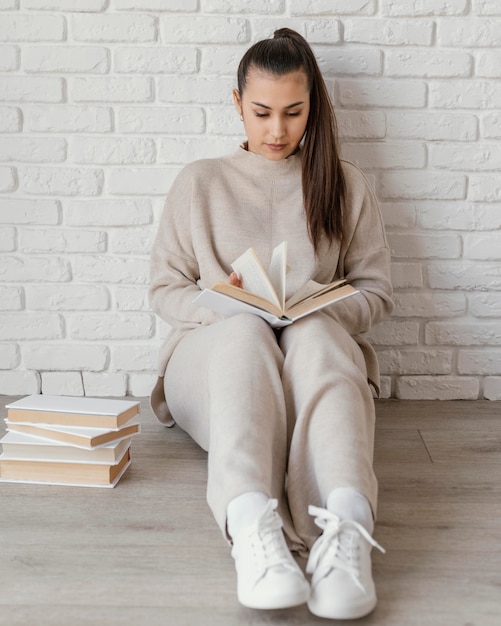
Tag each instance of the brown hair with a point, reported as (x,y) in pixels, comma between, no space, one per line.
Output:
(322,177)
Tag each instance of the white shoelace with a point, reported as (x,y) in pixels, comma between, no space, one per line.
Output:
(268,543)
(338,546)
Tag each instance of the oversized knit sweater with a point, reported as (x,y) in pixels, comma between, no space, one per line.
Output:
(217,208)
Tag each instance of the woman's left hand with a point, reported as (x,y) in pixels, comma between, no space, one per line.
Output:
(235,280)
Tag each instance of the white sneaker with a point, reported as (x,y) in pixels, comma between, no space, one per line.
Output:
(340,562)
(268,575)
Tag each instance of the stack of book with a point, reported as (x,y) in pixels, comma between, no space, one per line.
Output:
(65,440)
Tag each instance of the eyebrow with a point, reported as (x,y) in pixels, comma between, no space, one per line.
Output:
(289,106)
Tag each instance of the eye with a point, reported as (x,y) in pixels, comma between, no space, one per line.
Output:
(296,114)
(261,114)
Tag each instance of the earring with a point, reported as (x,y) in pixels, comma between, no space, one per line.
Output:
(241,118)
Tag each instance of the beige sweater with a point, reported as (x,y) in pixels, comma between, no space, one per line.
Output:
(217,208)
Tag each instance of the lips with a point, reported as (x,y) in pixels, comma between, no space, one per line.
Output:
(276,146)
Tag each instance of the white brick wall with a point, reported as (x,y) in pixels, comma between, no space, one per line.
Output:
(103,101)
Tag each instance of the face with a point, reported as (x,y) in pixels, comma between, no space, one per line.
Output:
(275,111)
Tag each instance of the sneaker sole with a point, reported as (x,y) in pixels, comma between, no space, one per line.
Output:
(330,612)
(279,602)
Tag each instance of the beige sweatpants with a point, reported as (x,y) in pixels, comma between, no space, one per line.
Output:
(287,413)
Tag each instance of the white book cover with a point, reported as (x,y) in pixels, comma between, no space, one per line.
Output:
(73,404)
(22,447)
(80,437)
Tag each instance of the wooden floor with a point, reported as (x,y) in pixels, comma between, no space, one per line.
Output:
(148,552)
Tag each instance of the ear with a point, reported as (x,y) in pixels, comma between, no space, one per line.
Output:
(237,100)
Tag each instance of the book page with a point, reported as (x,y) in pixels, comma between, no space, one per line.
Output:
(254,277)
(278,271)
(312,288)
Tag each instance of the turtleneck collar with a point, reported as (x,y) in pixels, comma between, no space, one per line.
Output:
(261,165)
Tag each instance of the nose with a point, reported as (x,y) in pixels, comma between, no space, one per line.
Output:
(277,129)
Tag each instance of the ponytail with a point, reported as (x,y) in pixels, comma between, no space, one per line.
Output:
(322,176)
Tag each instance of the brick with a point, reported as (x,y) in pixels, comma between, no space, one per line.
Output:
(25,211)
(423,8)
(19,383)
(34,269)
(398,214)
(66,5)
(361,124)
(466,94)
(491,125)
(8,5)
(474,157)
(7,239)
(114,28)
(61,240)
(485,305)
(7,179)
(468,33)
(104,212)
(392,332)
(484,187)
(112,89)
(483,247)
(10,119)
(162,60)
(423,185)
(9,356)
(68,119)
(425,246)
(335,61)
(385,387)
(19,27)
(389,32)
(204,29)
(492,388)
(440,64)
(479,362)
(141,384)
(31,89)
(68,59)
(385,155)
(105,384)
(437,388)
(382,93)
(213,90)
(439,126)
(62,384)
(327,7)
(9,58)
(65,356)
(415,361)
(429,304)
(406,275)
(472,216)
(131,299)
(184,6)
(486,7)
(131,240)
(145,181)
(26,326)
(221,60)
(32,149)
(134,357)
(463,333)
(488,64)
(464,275)
(11,298)
(61,181)
(224,120)
(251,6)
(100,326)
(186,149)
(326,31)
(171,120)
(67,297)
(113,150)
(108,269)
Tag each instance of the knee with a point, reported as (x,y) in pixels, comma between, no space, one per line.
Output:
(246,334)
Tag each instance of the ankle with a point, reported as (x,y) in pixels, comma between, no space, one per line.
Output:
(350,505)
(244,511)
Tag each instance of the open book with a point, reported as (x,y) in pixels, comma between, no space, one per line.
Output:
(264,291)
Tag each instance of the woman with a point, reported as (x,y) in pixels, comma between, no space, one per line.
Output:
(287,417)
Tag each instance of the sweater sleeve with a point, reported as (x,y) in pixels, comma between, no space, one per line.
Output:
(364,259)
(174,269)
